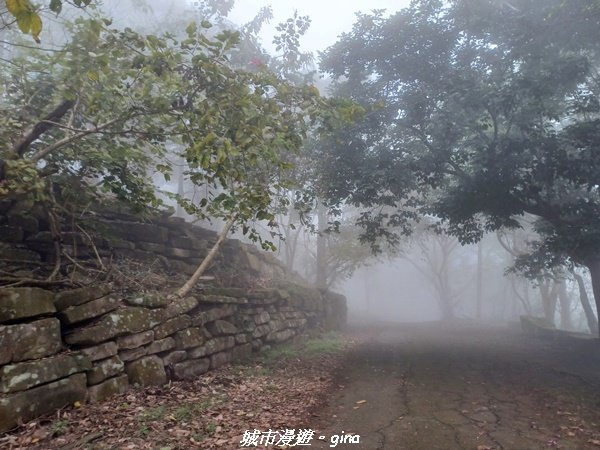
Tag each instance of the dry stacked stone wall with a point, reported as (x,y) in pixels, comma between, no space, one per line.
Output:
(86,344)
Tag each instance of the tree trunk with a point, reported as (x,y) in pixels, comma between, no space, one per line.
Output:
(189,284)
(446,301)
(291,240)
(566,322)
(446,307)
(594,267)
(321,278)
(549,296)
(180,188)
(479,280)
(592,321)
(367,293)
(524,299)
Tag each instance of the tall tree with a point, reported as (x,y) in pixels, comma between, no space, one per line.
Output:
(484,111)
(95,118)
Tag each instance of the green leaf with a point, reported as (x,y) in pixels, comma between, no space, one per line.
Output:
(15,7)
(24,20)
(36,27)
(191,29)
(221,155)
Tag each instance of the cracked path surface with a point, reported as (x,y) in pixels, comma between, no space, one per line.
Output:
(433,386)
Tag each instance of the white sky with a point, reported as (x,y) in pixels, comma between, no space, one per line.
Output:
(330,18)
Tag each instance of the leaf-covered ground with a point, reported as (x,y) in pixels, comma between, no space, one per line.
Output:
(278,391)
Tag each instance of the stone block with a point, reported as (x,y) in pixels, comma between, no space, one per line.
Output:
(161,345)
(42,237)
(533,325)
(152,301)
(221,327)
(188,338)
(178,307)
(87,311)
(25,375)
(123,321)
(152,247)
(101,351)
(108,388)
(213,314)
(188,243)
(219,359)
(24,303)
(191,368)
(79,296)
(261,318)
(16,254)
(32,340)
(254,310)
(227,292)
(146,371)
(336,311)
(136,231)
(212,346)
(171,326)
(105,369)
(261,294)
(241,338)
(247,324)
(27,223)
(117,243)
(135,340)
(278,324)
(222,299)
(133,354)
(174,223)
(174,357)
(261,330)
(45,399)
(11,234)
(280,336)
(139,255)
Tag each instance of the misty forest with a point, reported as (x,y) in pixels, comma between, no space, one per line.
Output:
(211,237)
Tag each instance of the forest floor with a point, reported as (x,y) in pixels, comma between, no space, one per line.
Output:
(406,386)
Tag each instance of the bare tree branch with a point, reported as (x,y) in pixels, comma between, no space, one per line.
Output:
(21,146)
(49,149)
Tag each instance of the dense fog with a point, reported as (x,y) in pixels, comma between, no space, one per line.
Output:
(433,161)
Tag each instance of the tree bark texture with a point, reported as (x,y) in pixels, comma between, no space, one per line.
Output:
(189,284)
(590,317)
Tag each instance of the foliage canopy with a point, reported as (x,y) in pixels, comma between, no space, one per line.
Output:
(482,111)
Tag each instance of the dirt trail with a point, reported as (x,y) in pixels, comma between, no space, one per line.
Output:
(429,386)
